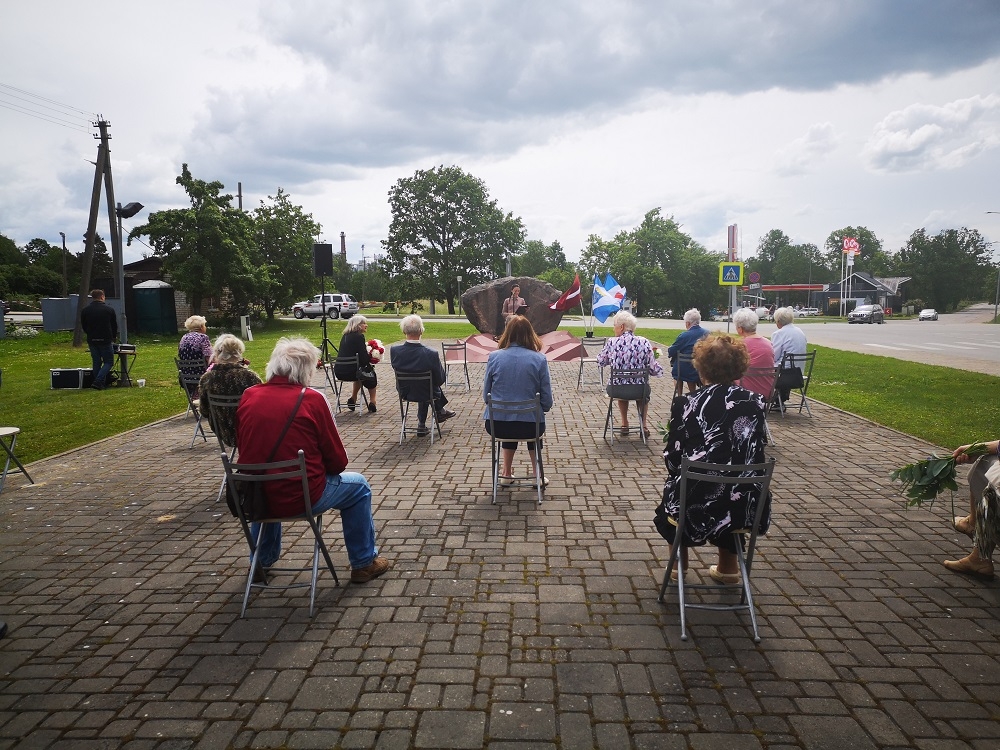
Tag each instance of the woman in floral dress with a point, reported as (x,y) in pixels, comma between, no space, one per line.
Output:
(626,351)
(720,423)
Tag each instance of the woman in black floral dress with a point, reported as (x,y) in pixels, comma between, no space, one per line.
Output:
(719,423)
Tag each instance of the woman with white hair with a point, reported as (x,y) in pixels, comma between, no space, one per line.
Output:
(353,343)
(229,375)
(683,347)
(263,413)
(759,348)
(626,351)
(788,339)
(195,345)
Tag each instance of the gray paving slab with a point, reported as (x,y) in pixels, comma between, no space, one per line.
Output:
(504,625)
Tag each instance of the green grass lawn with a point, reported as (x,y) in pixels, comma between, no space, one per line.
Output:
(938,404)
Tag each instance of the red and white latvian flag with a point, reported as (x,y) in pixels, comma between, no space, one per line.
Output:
(569,299)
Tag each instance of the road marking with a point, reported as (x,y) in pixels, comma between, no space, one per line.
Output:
(979,343)
(922,346)
(955,346)
(886,346)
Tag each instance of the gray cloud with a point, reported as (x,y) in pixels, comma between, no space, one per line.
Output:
(922,137)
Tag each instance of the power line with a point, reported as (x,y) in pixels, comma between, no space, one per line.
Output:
(65,115)
(85,113)
(46,118)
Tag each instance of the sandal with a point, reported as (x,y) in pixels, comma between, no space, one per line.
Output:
(726,579)
(506,481)
(977,567)
(624,431)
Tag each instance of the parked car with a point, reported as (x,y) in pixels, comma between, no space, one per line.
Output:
(867,314)
(5,306)
(337,306)
(804,312)
(928,314)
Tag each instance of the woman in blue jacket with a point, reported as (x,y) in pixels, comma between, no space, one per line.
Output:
(516,372)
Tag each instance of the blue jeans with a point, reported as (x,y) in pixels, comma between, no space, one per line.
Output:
(103,358)
(350,494)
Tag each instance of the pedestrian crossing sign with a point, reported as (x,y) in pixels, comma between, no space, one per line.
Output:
(730,274)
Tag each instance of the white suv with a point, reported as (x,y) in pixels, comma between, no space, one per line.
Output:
(337,306)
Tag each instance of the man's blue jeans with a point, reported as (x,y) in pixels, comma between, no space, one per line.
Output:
(350,494)
(103,358)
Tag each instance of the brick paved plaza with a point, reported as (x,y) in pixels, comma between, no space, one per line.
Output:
(500,626)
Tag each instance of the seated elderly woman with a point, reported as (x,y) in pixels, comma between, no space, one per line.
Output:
(516,371)
(260,420)
(719,423)
(229,375)
(353,343)
(683,346)
(626,351)
(983,521)
(759,348)
(195,346)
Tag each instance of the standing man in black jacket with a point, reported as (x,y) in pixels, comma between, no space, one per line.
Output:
(100,324)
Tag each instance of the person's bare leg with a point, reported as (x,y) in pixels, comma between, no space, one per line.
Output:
(692,387)
(728,562)
(967,524)
(623,410)
(507,454)
(371,395)
(355,389)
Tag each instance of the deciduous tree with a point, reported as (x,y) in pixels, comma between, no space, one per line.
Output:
(284,235)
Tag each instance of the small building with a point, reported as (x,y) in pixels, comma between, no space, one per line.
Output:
(862,289)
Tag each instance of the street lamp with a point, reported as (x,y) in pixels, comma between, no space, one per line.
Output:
(459,295)
(65,273)
(123,212)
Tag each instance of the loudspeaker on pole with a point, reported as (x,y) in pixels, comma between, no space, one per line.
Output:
(322,259)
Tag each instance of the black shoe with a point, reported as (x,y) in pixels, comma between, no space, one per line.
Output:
(371,408)
(351,403)
(3,629)
(260,574)
(422,431)
(98,386)
(445,414)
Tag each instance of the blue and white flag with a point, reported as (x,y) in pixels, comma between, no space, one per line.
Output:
(604,303)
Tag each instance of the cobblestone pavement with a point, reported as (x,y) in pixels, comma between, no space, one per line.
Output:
(501,625)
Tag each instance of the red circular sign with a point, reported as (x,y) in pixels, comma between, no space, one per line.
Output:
(754,277)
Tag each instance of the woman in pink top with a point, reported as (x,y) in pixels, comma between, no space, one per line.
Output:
(761,353)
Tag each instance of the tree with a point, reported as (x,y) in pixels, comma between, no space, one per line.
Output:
(444,225)
(284,236)
(536,258)
(207,246)
(36,249)
(870,259)
(10,255)
(950,267)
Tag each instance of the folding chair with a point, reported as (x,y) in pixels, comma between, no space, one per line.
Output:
(456,355)
(762,380)
(758,475)
(420,390)
(521,410)
(589,349)
(338,384)
(217,401)
(11,433)
(278,471)
(682,359)
(805,363)
(189,384)
(633,377)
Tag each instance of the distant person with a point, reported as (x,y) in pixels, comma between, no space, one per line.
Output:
(261,417)
(516,371)
(788,339)
(195,345)
(229,375)
(982,524)
(412,358)
(626,351)
(513,304)
(759,348)
(352,343)
(100,323)
(683,346)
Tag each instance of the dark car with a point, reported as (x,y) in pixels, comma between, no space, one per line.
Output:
(5,306)
(867,314)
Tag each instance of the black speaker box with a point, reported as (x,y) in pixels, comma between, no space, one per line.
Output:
(322,259)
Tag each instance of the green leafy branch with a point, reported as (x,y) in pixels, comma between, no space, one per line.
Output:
(925,480)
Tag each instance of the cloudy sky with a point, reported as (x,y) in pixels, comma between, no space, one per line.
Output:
(579,115)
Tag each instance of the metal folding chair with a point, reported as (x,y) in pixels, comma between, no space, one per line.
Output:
(456,355)
(758,475)
(11,433)
(682,359)
(338,384)
(217,402)
(632,377)
(420,390)
(521,410)
(589,349)
(762,380)
(805,363)
(278,471)
(189,384)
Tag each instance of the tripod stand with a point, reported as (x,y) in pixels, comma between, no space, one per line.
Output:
(326,357)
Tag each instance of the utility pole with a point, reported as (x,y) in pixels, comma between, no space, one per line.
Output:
(91,236)
(65,271)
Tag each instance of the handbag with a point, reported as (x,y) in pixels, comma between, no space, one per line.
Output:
(250,495)
(367,373)
(788,378)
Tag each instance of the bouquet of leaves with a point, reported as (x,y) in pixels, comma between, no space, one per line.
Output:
(925,480)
